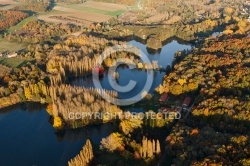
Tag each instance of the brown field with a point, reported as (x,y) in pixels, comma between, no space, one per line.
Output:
(86,17)
(49,18)
(7,4)
(83,14)
(94,17)
(104,6)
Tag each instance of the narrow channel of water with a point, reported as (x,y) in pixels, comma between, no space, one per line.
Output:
(164,57)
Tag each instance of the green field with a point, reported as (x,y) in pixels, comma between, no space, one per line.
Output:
(10,46)
(93,10)
(51,12)
(32,18)
(20,24)
(13,62)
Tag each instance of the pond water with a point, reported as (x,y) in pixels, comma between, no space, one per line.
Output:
(164,57)
(27,138)
(215,34)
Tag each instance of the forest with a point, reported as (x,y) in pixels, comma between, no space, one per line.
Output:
(26,83)
(68,100)
(34,7)
(10,18)
(156,35)
(39,31)
(219,72)
(170,12)
(128,147)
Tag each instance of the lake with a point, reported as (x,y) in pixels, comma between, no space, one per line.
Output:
(164,57)
(27,137)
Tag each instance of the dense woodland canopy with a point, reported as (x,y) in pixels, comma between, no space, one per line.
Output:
(189,31)
(21,84)
(68,100)
(10,18)
(219,72)
(34,7)
(219,66)
(82,52)
(40,31)
(207,146)
(186,11)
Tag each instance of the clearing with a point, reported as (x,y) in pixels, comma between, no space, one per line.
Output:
(83,14)
(13,62)
(7,4)
(10,46)
(103,6)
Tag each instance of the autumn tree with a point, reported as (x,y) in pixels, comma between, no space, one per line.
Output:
(84,157)
(27,93)
(149,148)
(58,123)
(228,11)
(128,125)
(49,109)
(112,142)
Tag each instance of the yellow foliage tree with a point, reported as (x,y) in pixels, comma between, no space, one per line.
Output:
(227,19)
(182,81)
(241,140)
(242,24)
(49,109)
(58,123)
(206,112)
(192,86)
(108,62)
(240,31)
(176,89)
(160,89)
(84,157)
(58,47)
(27,93)
(228,11)
(140,65)
(210,23)
(236,19)
(128,125)
(112,142)
(228,32)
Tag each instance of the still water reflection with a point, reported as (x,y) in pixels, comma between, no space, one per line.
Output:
(27,137)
